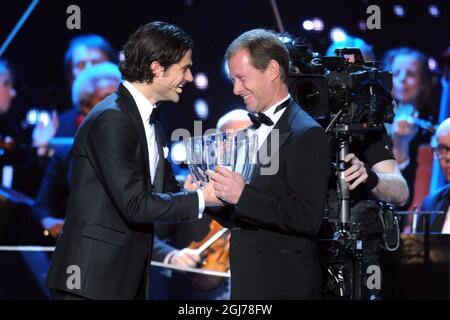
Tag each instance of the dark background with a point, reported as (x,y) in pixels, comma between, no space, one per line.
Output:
(38,49)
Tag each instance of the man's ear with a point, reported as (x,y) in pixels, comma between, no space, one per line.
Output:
(157,68)
(273,69)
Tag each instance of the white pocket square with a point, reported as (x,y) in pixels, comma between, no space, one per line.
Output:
(166,152)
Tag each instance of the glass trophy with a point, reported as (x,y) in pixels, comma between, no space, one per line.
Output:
(234,150)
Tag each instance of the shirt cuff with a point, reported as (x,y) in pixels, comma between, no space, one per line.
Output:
(168,256)
(201,203)
(404,164)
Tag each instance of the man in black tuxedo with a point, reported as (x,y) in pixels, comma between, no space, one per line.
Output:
(276,217)
(121,182)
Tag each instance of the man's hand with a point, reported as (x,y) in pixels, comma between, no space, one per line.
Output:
(211,199)
(189,185)
(404,130)
(43,134)
(53,225)
(228,185)
(185,258)
(357,173)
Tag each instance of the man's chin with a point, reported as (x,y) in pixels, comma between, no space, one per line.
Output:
(251,108)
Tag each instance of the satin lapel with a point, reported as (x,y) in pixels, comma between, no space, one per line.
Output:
(127,104)
(158,182)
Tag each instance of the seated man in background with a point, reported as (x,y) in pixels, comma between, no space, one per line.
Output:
(175,285)
(440,200)
(83,52)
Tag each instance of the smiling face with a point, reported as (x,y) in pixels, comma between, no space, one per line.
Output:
(84,57)
(406,78)
(255,86)
(167,80)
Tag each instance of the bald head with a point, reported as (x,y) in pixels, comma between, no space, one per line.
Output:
(444,128)
(234,120)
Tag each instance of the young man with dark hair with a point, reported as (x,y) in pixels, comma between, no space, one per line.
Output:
(121,181)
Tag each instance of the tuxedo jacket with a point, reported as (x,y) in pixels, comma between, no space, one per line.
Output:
(438,201)
(273,253)
(108,232)
(51,199)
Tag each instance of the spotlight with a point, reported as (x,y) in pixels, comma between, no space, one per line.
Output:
(308,25)
(201,81)
(338,34)
(35,116)
(399,11)
(433,10)
(432,64)
(201,108)
(121,56)
(362,25)
(317,24)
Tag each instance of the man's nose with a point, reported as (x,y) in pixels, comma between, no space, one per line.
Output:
(188,77)
(237,88)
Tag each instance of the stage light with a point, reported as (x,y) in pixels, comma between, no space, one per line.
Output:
(35,116)
(308,25)
(317,24)
(432,64)
(201,81)
(338,34)
(399,11)
(178,153)
(201,108)
(433,10)
(362,25)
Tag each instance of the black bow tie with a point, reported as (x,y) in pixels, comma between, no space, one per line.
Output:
(260,118)
(154,116)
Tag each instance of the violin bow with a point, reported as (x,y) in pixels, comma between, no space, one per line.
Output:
(222,232)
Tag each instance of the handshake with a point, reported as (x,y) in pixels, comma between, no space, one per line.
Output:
(223,186)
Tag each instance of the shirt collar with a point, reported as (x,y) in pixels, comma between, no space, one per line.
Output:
(270,112)
(145,107)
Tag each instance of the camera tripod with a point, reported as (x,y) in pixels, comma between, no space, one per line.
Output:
(345,258)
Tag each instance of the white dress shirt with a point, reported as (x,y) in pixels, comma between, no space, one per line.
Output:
(263,131)
(145,108)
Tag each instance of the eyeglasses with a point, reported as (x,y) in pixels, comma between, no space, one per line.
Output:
(440,151)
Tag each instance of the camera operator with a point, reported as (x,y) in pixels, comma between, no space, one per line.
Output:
(372,174)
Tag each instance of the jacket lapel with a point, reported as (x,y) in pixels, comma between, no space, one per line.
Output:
(128,105)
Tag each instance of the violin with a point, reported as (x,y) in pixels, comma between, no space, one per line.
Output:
(214,250)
